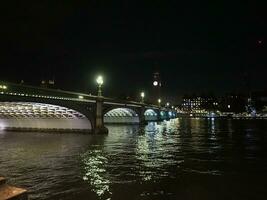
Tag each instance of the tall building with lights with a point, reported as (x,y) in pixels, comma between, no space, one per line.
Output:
(199,104)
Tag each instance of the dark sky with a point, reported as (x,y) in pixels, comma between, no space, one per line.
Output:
(197,46)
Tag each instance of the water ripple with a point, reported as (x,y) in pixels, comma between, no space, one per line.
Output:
(178,159)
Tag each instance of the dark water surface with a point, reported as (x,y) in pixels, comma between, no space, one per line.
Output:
(181,159)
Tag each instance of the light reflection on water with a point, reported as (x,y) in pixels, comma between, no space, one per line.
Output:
(152,154)
(95,172)
(177,159)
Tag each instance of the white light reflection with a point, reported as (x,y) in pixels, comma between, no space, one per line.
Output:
(155,151)
(95,173)
(2,126)
(212,126)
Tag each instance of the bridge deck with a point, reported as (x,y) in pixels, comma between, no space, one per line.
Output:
(12,89)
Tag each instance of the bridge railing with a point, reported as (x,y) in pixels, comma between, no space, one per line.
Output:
(27,89)
(8,88)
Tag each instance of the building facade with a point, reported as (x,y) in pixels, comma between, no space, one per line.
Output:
(199,104)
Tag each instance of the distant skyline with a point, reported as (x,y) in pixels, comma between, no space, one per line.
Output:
(197,46)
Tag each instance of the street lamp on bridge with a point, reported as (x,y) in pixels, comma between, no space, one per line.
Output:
(142,97)
(159,101)
(100,82)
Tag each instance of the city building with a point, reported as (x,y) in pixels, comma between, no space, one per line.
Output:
(199,104)
(233,103)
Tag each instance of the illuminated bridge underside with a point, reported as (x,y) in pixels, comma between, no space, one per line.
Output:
(40,116)
(151,115)
(121,116)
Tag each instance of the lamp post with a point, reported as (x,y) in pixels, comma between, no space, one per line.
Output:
(99,122)
(142,97)
(167,104)
(100,82)
(159,101)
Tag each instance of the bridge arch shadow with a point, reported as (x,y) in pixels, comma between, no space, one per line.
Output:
(121,116)
(41,116)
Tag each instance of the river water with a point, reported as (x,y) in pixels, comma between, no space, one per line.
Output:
(180,159)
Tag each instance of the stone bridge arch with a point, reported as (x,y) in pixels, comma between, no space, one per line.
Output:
(121,115)
(32,115)
(151,115)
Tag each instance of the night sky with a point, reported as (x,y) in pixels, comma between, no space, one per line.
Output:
(197,47)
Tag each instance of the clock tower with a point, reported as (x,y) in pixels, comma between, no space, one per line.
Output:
(156,86)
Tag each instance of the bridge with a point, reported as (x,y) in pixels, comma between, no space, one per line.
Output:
(36,108)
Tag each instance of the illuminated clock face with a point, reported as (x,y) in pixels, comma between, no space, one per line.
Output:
(155,83)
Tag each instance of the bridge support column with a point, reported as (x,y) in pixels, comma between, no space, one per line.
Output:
(159,115)
(142,117)
(99,118)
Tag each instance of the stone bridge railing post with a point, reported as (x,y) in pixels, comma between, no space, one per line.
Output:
(99,118)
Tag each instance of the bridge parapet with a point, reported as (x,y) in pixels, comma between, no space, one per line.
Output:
(39,92)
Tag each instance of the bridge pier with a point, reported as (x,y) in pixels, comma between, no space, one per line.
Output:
(99,127)
(142,118)
(159,118)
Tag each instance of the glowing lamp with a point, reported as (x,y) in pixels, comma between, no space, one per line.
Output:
(100,80)
(142,94)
